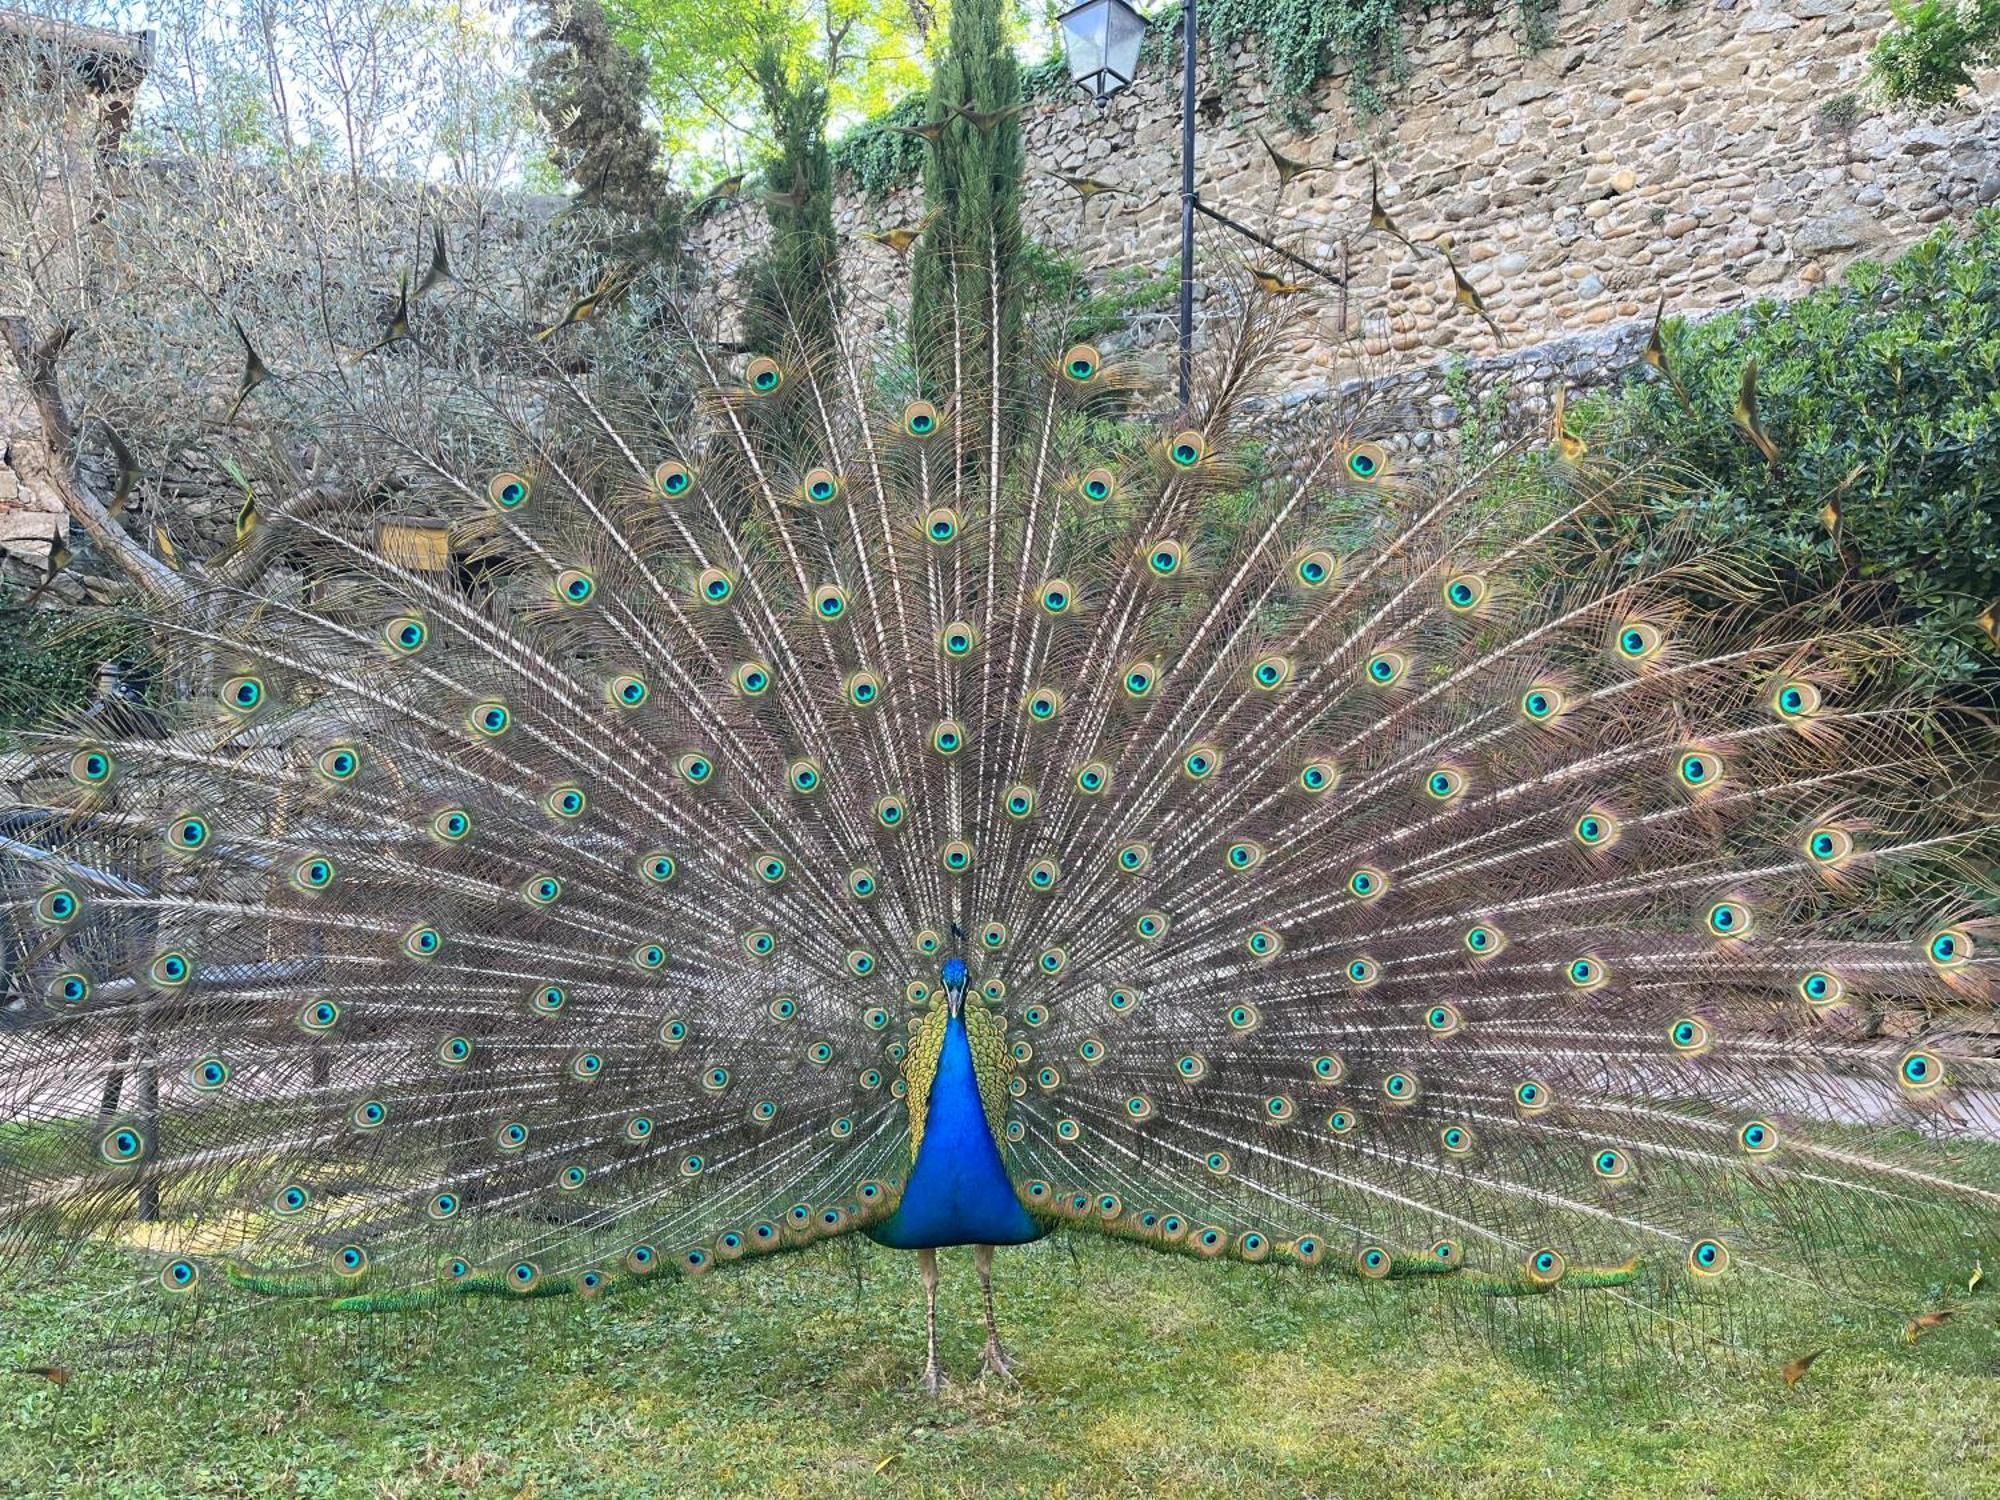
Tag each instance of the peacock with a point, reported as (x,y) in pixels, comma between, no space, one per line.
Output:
(629,806)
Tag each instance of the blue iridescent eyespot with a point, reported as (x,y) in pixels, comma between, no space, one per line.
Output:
(290,1201)
(1795,700)
(422,942)
(508,491)
(628,691)
(1699,770)
(1611,1164)
(490,720)
(208,1075)
(1098,485)
(406,635)
(339,763)
(1758,1138)
(1638,640)
(369,1114)
(1270,673)
(243,695)
(1949,949)
(1708,1257)
(673,479)
(452,824)
(1464,592)
(455,1051)
(1315,568)
(574,586)
(1185,450)
(658,867)
(1920,1070)
(1387,667)
(69,989)
(763,375)
(319,1015)
(171,970)
(91,767)
(58,906)
(189,834)
(820,486)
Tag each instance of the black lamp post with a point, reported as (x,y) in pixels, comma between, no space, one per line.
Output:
(1101,39)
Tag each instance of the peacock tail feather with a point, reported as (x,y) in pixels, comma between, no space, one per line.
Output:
(1393,871)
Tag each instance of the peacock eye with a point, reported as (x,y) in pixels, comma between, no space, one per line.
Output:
(1638,640)
(508,491)
(942,527)
(1316,568)
(1098,486)
(1464,592)
(1081,363)
(1366,462)
(1186,449)
(920,419)
(763,375)
(673,479)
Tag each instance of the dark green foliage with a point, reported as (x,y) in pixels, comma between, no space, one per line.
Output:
(793,286)
(591,94)
(49,662)
(1884,385)
(965,278)
(877,159)
(1928,55)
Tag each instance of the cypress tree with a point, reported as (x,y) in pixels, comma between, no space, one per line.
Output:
(972,183)
(794,287)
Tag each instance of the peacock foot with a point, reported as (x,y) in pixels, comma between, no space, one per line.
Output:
(934,1381)
(994,1362)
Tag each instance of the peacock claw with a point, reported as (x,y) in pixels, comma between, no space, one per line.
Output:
(934,1381)
(994,1362)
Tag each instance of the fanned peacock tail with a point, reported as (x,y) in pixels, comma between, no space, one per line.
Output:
(1383,871)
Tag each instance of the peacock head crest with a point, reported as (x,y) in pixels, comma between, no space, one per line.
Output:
(954,976)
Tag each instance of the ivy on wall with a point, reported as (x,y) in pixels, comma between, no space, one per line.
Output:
(1299,44)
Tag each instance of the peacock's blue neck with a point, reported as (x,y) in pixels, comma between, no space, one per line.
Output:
(959,1192)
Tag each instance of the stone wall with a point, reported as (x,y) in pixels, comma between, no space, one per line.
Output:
(1649,149)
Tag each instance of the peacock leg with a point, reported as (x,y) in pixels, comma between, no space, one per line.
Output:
(933,1371)
(994,1361)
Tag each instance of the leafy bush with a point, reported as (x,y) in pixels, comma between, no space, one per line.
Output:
(878,160)
(1928,55)
(1883,395)
(48,665)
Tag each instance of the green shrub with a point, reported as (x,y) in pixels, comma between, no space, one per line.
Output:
(1883,394)
(48,665)
(1928,55)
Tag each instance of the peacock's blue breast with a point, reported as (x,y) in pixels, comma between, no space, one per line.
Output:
(959,1192)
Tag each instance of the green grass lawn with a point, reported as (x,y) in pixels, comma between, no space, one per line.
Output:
(1140,1374)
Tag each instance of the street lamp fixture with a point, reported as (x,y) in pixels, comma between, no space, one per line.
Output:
(1101,39)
